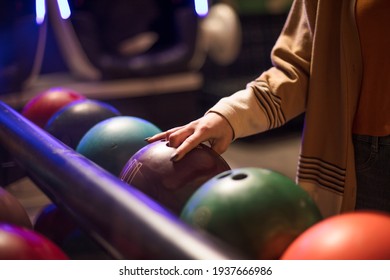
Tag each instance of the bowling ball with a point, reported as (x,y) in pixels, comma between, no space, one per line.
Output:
(111,142)
(58,226)
(71,122)
(19,243)
(42,107)
(361,235)
(257,211)
(171,183)
(54,223)
(12,211)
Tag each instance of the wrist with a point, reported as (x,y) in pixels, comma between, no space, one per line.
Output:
(231,129)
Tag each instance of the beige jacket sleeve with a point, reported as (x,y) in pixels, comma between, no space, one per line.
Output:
(279,94)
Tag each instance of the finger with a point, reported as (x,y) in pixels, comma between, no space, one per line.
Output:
(219,146)
(162,135)
(156,137)
(187,145)
(176,138)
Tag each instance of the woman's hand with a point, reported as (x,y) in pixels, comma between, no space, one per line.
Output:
(212,127)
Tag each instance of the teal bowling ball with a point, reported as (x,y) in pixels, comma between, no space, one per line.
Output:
(111,142)
(71,122)
(257,211)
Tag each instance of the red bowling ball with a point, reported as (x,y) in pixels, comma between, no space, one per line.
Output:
(171,183)
(43,106)
(361,235)
(19,243)
(12,211)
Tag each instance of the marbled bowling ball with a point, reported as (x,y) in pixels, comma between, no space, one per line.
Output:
(171,183)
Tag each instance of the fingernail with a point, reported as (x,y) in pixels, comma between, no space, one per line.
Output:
(147,139)
(174,157)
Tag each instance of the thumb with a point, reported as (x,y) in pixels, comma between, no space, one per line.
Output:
(219,146)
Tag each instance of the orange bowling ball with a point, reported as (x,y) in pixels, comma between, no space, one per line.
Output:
(360,235)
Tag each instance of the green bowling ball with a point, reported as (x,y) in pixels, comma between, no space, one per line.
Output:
(257,211)
(110,143)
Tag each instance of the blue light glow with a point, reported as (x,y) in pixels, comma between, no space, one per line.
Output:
(40,11)
(201,7)
(64,8)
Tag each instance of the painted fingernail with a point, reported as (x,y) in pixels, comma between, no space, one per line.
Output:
(174,157)
(147,139)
